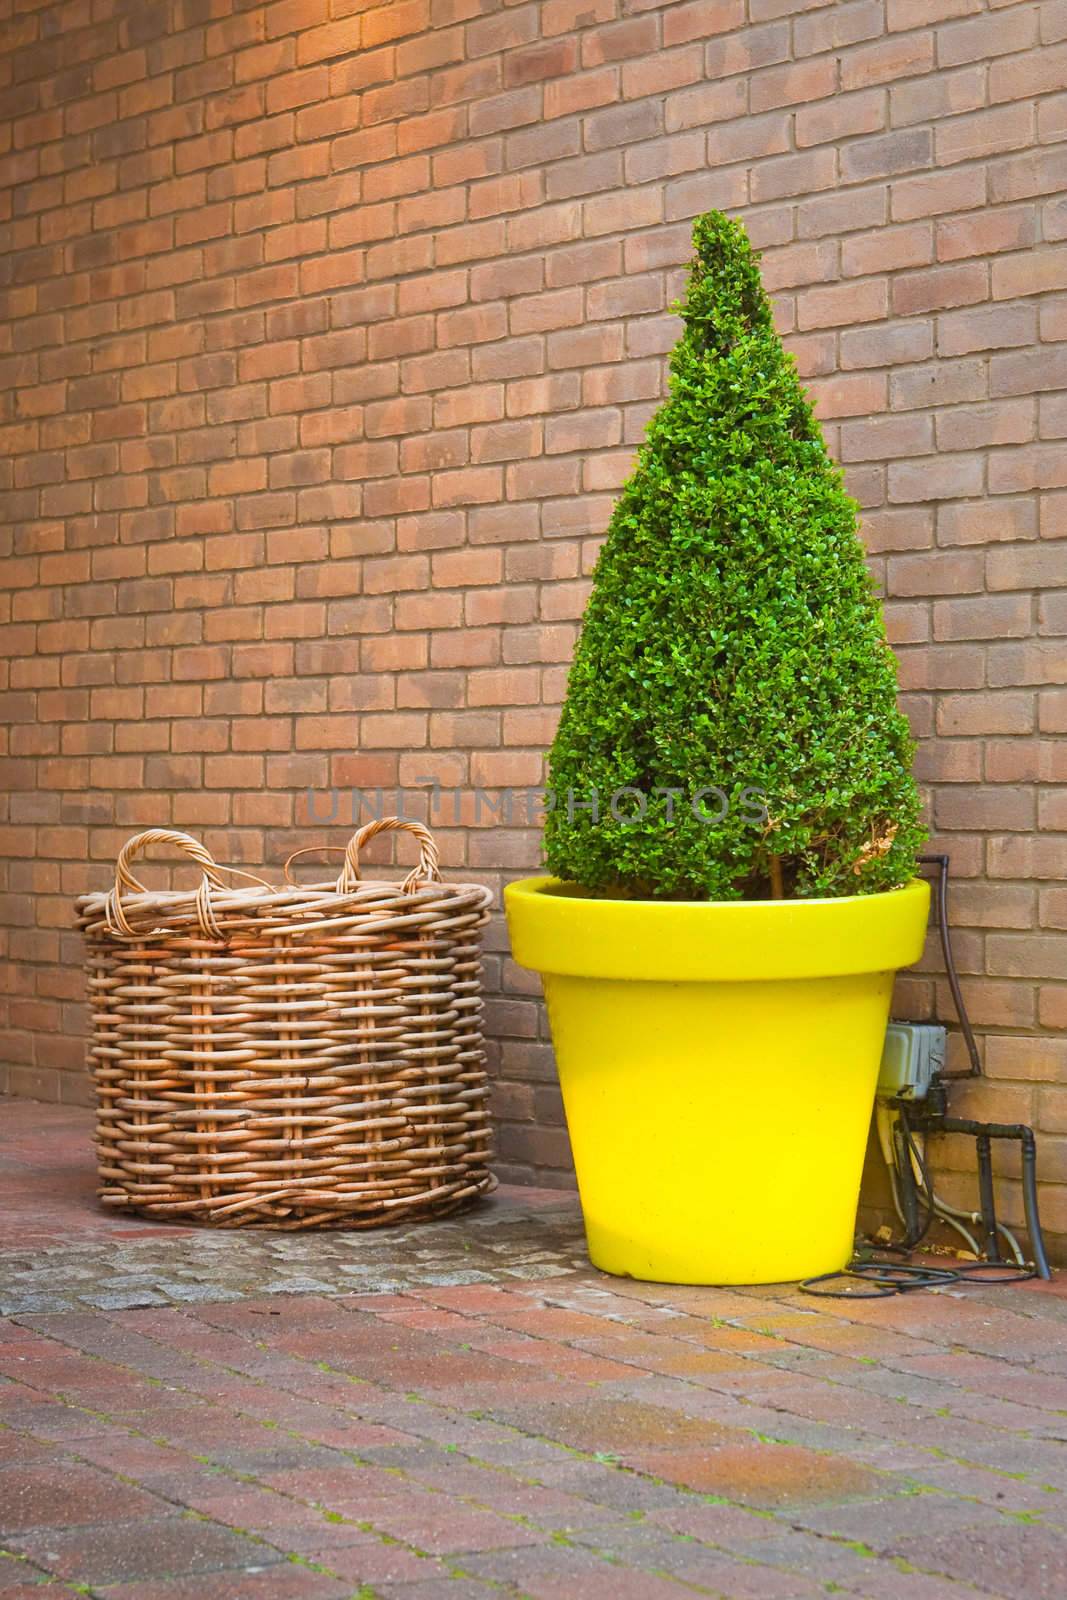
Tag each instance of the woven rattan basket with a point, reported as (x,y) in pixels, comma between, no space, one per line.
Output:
(300,1057)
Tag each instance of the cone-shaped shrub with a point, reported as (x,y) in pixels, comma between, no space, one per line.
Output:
(732,641)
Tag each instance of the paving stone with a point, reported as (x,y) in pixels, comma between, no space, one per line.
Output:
(566,1574)
(593,1424)
(443,1587)
(120,1299)
(762,1474)
(1016,1560)
(38,1591)
(550,1507)
(622,1492)
(64,1496)
(375,1564)
(134,1456)
(712,1522)
(155,1548)
(882,1524)
(16,1449)
(18,1577)
(1031,1497)
(654,1550)
(277,1583)
(822,1560)
(52,1420)
(898,1582)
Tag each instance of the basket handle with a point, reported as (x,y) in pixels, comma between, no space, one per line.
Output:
(125,880)
(426,868)
(309,850)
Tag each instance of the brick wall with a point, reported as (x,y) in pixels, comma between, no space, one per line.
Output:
(330,329)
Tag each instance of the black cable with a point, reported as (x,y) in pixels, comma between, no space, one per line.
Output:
(904,1149)
(941,862)
(846,1275)
(902,1275)
(997,1272)
(887,1278)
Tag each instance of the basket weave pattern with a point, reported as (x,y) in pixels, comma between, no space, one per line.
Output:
(295,1058)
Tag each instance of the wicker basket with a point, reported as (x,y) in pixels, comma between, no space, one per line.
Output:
(293,1058)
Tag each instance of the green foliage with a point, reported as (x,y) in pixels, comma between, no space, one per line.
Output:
(733,638)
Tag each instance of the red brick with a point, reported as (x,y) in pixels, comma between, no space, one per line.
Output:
(985,234)
(986,522)
(887,438)
(984,133)
(887,60)
(468,486)
(848,211)
(1052,118)
(990,328)
(335,39)
(940,288)
(983,37)
(937,193)
(907,246)
(902,15)
(621,41)
(849,394)
(697,20)
(950,478)
(562,16)
(1032,272)
(943,95)
(1020,176)
(841,117)
(702,105)
(1038,466)
(499,113)
(992,617)
(671,69)
(1024,567)
(974,427)
(891,153)
(794,174)
(866,301)
(506,441)
(581,92)
(838,27)
(792,84)
(561,308)
(941,383)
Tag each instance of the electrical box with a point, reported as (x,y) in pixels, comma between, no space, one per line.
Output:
(913,1054)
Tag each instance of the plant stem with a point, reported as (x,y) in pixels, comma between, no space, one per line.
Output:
(777,888)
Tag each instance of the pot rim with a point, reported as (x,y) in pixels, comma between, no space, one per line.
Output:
(576,935)
(545,883)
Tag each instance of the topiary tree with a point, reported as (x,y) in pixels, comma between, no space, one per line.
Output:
(732,640)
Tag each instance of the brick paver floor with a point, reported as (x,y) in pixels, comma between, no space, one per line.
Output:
(468,1410)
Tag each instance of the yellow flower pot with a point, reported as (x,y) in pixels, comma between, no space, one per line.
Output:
(718,1063)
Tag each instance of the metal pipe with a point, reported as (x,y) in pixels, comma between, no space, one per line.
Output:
(1033,1226)
(986,1198)
(1028,1143)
